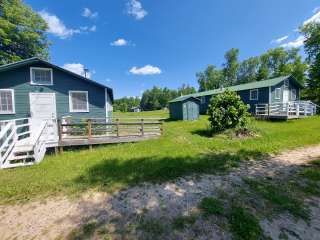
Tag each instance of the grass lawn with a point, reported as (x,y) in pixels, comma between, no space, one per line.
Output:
(184,149)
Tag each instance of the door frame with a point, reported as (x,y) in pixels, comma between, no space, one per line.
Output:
(54,98)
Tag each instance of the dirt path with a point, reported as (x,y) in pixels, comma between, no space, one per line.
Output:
(119,213)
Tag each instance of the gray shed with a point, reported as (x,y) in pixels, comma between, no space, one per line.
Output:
(184,108)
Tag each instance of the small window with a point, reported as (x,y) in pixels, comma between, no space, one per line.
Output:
(78,101)
(7,101)
(286,83)
(293,94)
(278,93)
(41,76)
(254,94)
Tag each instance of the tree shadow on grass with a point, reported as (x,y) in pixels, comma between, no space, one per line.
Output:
(111,172)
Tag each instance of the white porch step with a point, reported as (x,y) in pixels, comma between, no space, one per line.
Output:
(14,165)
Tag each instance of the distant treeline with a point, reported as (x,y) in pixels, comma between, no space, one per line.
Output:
(274,63)
(152,99)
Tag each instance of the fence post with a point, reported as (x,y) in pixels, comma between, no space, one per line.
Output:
(298,109)
(117,127)
(142,127)
(89,129)
(59,130)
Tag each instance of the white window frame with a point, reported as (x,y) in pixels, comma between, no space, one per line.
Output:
(39,68)
(254,90)
(70,102)
(295,94)
(13,102)
(275,93)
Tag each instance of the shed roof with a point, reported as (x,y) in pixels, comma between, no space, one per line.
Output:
(183,98)
(33,60)
(246,86)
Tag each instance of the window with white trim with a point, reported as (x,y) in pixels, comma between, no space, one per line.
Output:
(254,94)
(7,101)
(41,76)
(78,101)
(277,93)
(293,94)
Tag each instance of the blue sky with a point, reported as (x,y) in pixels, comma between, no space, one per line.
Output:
(132,45)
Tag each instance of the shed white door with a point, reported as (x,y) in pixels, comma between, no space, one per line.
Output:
(43,107)
(285,95)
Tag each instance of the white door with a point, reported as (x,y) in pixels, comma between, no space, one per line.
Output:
(43,107)
(285,96)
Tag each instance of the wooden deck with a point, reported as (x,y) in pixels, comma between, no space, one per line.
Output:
(286,111)
(103,140)
(73,132)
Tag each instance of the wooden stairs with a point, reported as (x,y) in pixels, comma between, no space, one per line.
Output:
(22,144)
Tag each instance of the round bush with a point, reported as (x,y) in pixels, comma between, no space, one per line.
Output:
(226,111)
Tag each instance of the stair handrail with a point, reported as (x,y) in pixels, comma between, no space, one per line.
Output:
(39,146)
(43,127)
(6,143)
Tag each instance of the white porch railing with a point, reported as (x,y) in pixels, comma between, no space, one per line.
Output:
(7,140)
(11,132)
(290,109)
(20,144)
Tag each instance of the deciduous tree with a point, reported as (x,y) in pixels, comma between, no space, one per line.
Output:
(22,32)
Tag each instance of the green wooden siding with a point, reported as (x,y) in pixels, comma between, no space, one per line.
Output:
(19,80)
(187,109)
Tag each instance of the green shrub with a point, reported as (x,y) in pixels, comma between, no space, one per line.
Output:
(211,206)
(226,111)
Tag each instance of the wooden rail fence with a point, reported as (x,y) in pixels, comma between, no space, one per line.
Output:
(99,131)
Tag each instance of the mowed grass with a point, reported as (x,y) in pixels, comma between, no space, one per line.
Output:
(184,149)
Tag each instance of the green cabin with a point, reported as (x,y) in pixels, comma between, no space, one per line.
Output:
(278,91)
(184,108)
(41,90)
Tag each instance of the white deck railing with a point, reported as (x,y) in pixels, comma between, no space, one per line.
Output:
(290,109)
(12,131)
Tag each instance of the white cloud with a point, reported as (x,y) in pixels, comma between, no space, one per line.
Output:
(89,14)
(146,70)
(315,18)
(317,9)
(295,44)
(135,9)
(299,41)
(280,40)
(93,28)
(120,43)
(77,68)
(56,26)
